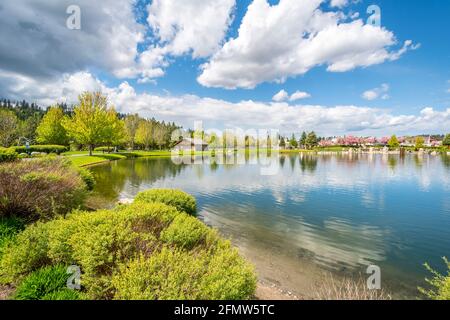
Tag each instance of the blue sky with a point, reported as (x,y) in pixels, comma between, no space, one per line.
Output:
(416,80)
(223,61)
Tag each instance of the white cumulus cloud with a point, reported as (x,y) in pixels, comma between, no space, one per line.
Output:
(297,95)
(290,38)
(183,26)
(282,95)
(216,113)
(376,93)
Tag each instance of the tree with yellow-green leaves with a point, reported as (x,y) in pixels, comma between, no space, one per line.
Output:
(94,122)
(446,141)
(393,142)
(144,133)
(420,141)
(50,129)
(116,130)
(131,126)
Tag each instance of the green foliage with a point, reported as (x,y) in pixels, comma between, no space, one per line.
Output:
(64,294)
(131,127)
(446,141)
(440,284)
(293,142)
(9,125)
(87,177)
(25,253)
(178,274)
(50,130)
(26,117)
(94,122)
(311,140)
(7,154)
(142,250)
(9,227)
(185,232)
(303,139)
(419,142)
(42,148)
(42,282)
(144,133)
(176,198)
(393,142)
(40,188)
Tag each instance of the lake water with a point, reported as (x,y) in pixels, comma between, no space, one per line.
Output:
(316,214)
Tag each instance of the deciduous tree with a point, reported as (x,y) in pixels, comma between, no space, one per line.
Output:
(51,130)
(92,120)
(446,141)
(8,128)
(419,142)
(393,142)
(131,126)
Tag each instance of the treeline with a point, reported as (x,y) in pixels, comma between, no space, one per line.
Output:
(88,124)
(306,141)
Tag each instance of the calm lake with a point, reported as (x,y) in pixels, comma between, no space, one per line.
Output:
(317,214)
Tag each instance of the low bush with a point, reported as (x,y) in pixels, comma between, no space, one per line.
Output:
(41,148)
(137,251)
(9,227)
(25,253)
(42,282)
(440,284)
(178,275)
(176,198)
(7,154)
(185,231)
(88,178)
(41,188)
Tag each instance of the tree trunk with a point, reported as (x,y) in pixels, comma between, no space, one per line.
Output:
(90,149)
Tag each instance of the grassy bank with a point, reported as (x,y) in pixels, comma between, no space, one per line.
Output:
(82,158)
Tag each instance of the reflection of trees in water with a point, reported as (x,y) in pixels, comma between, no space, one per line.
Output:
(213,166)
(418,160)
(308,162)
(445,160)
(111,178)
(392,161)
(292,161)
(282,161)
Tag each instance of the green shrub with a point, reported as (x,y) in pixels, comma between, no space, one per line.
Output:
(64,294)
(7,154)
(9,227)
(42,148)
(87,177)
(42,282)
(26,253)
(180,275)
(167,275)
(440,284)
(127,252)
(176,198)
(185,231)
(41,188)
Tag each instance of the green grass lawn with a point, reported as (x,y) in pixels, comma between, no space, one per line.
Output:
(81,161)
(82,158)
